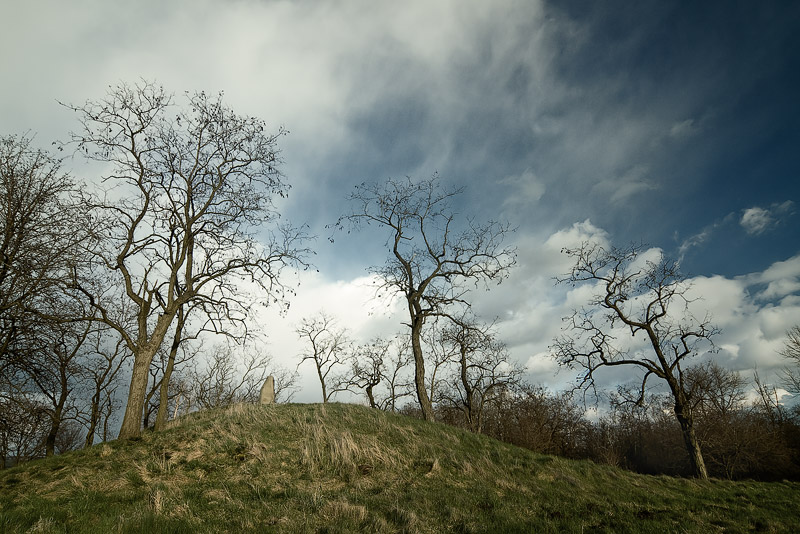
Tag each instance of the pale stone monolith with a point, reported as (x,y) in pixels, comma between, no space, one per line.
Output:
(268,391)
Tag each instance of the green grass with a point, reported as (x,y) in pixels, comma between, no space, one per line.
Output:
(343,468)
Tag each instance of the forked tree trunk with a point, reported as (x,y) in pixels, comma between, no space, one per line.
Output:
(163,400)
(142,358)
(419,371)
(132,421)
(322,383)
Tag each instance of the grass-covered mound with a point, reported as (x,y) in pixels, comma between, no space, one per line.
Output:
(346,468)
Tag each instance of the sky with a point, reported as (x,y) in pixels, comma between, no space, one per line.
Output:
(674,124)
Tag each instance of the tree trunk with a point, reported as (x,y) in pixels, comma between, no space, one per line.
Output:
(324,389)
(94,417)
(163,395)
(143,356)
(109,406)
(686,421)
(469,409)
(58,413)
(55,424)
(163,400)
(132,421)
(370,396)
(419,371)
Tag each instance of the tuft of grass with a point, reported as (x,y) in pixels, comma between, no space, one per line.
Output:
(342,468)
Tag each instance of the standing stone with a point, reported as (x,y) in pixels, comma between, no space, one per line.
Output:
(268,391)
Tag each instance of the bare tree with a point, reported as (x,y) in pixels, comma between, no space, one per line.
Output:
(378,368)
(100,369)
(769,401)
(329,349)
(56,375)
(184,219)
(223,382)
(286,383)
(23,426)
(40,230)
(648,299)
(431,263)
(790,375)
(367,366)
(439,356)
(397,382)
(483,370)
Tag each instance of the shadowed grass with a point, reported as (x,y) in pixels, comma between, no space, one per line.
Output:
(344,468)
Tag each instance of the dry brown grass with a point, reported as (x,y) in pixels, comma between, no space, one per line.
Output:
(324,448)
(343,511)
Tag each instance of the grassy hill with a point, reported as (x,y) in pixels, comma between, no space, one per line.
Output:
(345,468)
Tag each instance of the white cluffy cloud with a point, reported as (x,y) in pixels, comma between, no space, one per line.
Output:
(757,220)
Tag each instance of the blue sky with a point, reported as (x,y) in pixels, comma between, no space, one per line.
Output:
(669,123)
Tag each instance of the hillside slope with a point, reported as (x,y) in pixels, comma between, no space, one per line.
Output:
(346,468)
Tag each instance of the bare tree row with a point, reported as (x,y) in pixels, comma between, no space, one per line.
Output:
(469,368)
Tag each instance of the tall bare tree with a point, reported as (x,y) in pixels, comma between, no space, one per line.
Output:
(438,357)
(648,298)
(187,217)
(23,426)
(40,230)
(432,261)
(329,347)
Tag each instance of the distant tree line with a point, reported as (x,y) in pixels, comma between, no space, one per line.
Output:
(739,438)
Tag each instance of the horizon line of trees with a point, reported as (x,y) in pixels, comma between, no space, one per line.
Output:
(740,435)
(181,239)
